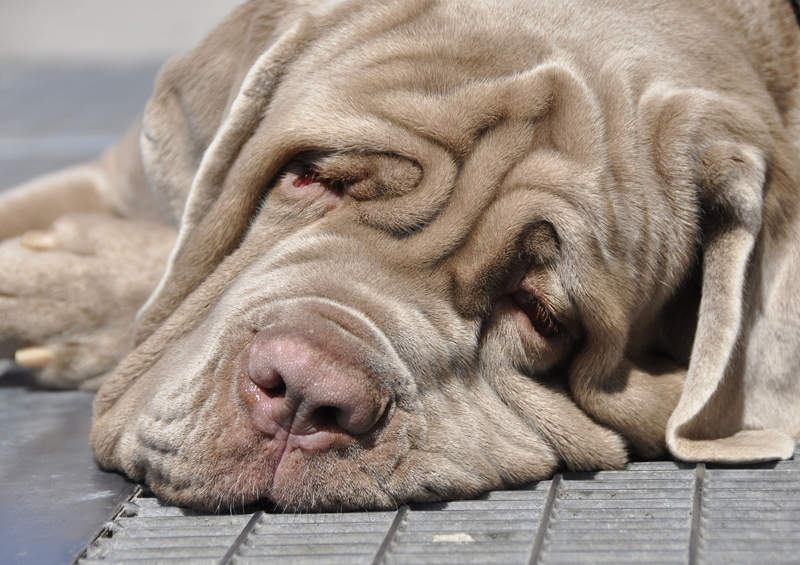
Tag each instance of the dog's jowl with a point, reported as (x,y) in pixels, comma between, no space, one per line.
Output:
(357,254)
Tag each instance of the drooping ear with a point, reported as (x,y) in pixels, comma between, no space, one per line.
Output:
(193,95)
(728,405)
(206,106)
(741,398)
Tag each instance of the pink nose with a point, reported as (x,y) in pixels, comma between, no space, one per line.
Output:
(307,389)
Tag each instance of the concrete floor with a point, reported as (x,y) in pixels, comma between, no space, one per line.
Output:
(53,498)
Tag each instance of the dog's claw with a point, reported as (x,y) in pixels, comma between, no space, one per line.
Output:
(90,273)
(33,357)
(39,240)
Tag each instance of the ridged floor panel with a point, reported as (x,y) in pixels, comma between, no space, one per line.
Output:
(657,512)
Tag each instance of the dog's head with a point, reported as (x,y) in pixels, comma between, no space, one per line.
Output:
(421,257)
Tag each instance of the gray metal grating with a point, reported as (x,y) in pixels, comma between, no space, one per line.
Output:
(655,512)
(316,538)
(500,527)
(751,515)
(147,531)
(643,515)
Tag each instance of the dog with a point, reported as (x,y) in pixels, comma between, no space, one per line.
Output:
(359,254)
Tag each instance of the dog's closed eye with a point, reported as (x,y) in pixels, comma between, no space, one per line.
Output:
(302,185)
(541,318)
(540,313)
(356,176)
(308,177)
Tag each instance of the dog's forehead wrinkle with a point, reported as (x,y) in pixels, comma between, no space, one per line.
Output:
(425,52)
(474,186)
(610,216)
(481,99)
(506,142)
(456,118)
(594,209)
(518,231)
(393,174)
(355,26)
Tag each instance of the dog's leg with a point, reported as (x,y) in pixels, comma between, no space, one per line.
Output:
(80,251)
(69,294)
(37,203)
(113,184)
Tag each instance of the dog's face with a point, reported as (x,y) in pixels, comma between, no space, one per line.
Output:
(398,277)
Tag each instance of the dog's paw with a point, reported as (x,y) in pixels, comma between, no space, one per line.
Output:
(69,294)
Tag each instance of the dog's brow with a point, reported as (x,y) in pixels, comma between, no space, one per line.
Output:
(515,232)
(475,185)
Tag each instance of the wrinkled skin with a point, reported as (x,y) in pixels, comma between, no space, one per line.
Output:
(432,249)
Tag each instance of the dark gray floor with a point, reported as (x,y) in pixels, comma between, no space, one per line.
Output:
(53,500)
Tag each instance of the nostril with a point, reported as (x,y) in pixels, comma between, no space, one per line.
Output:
(277,389)
(325,417)
(270,381)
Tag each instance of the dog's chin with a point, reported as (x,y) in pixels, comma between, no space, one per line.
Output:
(327,482)
(297,481)
(251,469)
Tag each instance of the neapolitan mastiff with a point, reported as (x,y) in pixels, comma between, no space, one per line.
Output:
(361,253)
